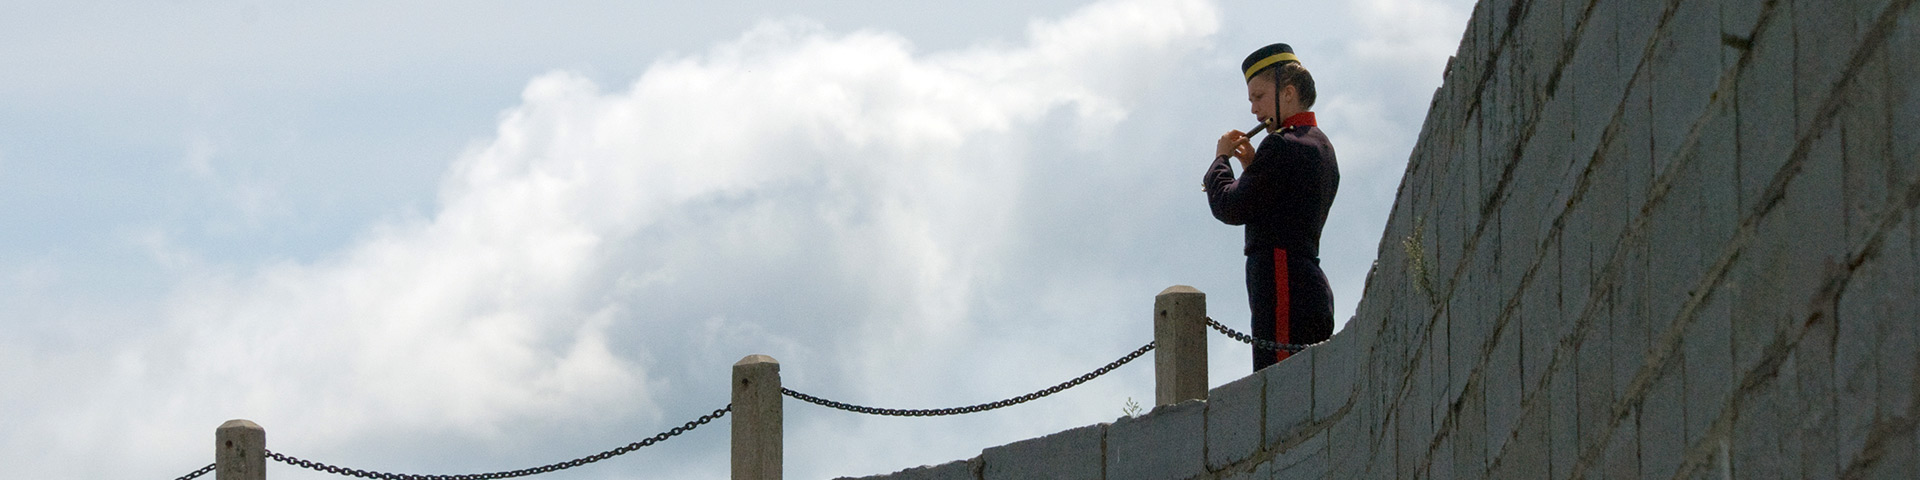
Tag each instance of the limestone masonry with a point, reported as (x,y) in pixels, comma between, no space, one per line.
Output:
(1637,239)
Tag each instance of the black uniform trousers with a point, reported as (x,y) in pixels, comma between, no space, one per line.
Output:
(1290,299)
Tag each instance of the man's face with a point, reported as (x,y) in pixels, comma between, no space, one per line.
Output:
(1260,95)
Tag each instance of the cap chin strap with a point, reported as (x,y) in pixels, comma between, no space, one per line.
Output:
(1273,124)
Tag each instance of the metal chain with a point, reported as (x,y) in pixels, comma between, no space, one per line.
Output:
(661,437)
(197,473)
(1267,345)
(935,412)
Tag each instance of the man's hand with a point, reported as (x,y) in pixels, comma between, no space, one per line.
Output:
(1234,143)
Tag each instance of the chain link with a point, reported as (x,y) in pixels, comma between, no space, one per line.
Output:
(1267,345)
(352,472)
(704,419)
(936,412)
(197,473)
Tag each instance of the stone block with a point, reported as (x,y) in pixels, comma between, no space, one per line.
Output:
(1765,440)
(1542,38)
(1488,295)
(1682,86)
(955,470)
(1871,177)
(1823,42)
(1165,443)
(1862,307)
(1815,415)
(1413,431)
(1472,187)
(1439,388)
(1308,460)
(1072,454)
(1527,455)
(1595,399)
(1757,317)
(1234,419)
(1897,355)
(1865,13)
(1621,459)
(1445,241)
(1563,417)
(1903,95)
(1576,287)
(1381,461)
(1707,359)
(1496,14)
(1593,78)
(1373,401)
(1469,442)
(1570,18)
(1334,367)
(1348,444)
(1389,354)
(1738,18)
(1468,323)
(1440,463)
(1503,392)
(1607,219)
(1537,319)
(1632,145)
(1638,22)
(1814,201)
(1632,329)
(1662,429)
(1553,142)
(1676,257)
(1519,231)
(1458,364)
(1765,103)
(1248,475)
(1498,127)
(1263,471)
(1471,47)
(1718,188)
(1899,460)
(1717,465)
(1289,397)
(1360,333)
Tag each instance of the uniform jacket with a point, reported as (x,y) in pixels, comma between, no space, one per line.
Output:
(1284,195)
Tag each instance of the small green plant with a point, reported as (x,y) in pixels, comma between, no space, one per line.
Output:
(1132,409)
(1419,265)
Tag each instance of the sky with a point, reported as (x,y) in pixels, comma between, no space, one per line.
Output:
(457,237)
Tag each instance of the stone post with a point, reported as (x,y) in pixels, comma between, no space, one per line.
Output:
(1180,339)
(756,418)
(239,451)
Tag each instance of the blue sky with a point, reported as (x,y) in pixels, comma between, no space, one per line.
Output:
(447,237)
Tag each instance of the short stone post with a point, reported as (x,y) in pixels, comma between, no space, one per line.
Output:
(756,418)
(1180,345)
(239,451)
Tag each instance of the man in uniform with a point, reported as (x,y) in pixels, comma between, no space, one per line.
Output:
(1282,197)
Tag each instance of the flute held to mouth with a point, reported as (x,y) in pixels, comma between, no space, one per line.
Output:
(1246,137)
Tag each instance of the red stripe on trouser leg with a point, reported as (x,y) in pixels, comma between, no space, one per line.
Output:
(1283,308)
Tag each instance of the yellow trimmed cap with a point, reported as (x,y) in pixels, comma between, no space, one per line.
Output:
(1267,56)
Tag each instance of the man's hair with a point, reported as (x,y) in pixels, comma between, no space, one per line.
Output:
(1291,73)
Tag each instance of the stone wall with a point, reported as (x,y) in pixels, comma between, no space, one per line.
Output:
(1637,239)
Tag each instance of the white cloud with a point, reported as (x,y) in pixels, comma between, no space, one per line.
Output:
(824,197)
